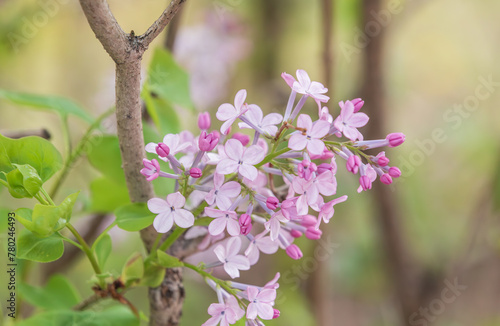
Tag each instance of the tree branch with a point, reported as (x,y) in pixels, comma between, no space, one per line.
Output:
(106,28)
(158,26)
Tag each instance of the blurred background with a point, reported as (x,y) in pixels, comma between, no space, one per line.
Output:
(423,251)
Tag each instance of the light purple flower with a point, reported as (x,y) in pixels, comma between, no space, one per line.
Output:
(267,123)
(261,303)
(222,192)
(174,143)
(311,137)
(348,121)
(303,85)
(327,210)
(306,198)
(170,211)
(151,169)
(228,255)
(240,159)
(260,243)
(223,220)
(229,113)
(226,313)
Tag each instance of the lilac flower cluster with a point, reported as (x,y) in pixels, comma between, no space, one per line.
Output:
(282,180)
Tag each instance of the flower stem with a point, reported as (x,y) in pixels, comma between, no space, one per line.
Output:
(86,249)
(271,156)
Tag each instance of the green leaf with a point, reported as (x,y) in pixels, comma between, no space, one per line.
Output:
(153,274)
(34,151)
(133,270)
(168,261)
(42,250)
(203,221)
(59,293)
(24,181)
(106,158)
(113,316)
(134,217)
(162,113)
(103,249)
(107,195)
(61,105)
(44,220)
(168,80)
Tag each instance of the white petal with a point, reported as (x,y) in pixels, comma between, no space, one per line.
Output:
(157,205)
(163,222)
(183,218)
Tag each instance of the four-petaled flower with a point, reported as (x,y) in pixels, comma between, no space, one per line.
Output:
(260,243)
(223,220)
(303,85)
(348,121)
(267,123)
(229,113)
(261,303)
(228,255)
(226,313)
(311,135)
(151,169)
(170,211)
(174,143)
(222,192)
(240,159)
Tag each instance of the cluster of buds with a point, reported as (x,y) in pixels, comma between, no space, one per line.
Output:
(262,192)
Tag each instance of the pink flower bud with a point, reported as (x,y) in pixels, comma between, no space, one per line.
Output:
(294,252)
(324,167)
(204,121)
(358,104)
(386,179)
(245,224)
(353,163)
(162,150)
(195,173)
(244,139)
(323,156)
(276,313)
(208,142)
(365,182)
(306,169)
(288,79)
(295,233)
(395,139)
(308,221)
(394,172)
(383,161)
(313,233)
(272,203)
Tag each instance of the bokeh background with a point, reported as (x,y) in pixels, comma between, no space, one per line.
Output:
(425,68)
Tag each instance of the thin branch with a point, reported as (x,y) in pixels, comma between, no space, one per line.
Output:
(158,26)
(106,28)
(173,27)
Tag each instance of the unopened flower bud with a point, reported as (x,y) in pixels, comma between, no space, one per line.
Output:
(324,167)
(313,233)
(276,313)
(358,104)
(295,233)
(386,179)
(308,221)
(353,163)
(365,182)
(294,252)
(272,203)
(162,150)
(383,161)
(306,169)
(244,139)
(204,121)
(395,139)
(195,173)
(208,142)
(394,172)
(245,224)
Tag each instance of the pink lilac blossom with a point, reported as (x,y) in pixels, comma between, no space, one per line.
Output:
(310,138)
(228,255)
(224,314)
(240,159)
(170,211)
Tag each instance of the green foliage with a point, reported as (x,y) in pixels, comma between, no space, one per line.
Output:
(103,249)
(59,293)
(34,151)
(61,105)
(44,220)
(162,113)
(134,217)
(110,191)
(168,261)
(42,250)
(114,316)
(153,273)
(23,181)
(133,270)
(168,81)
